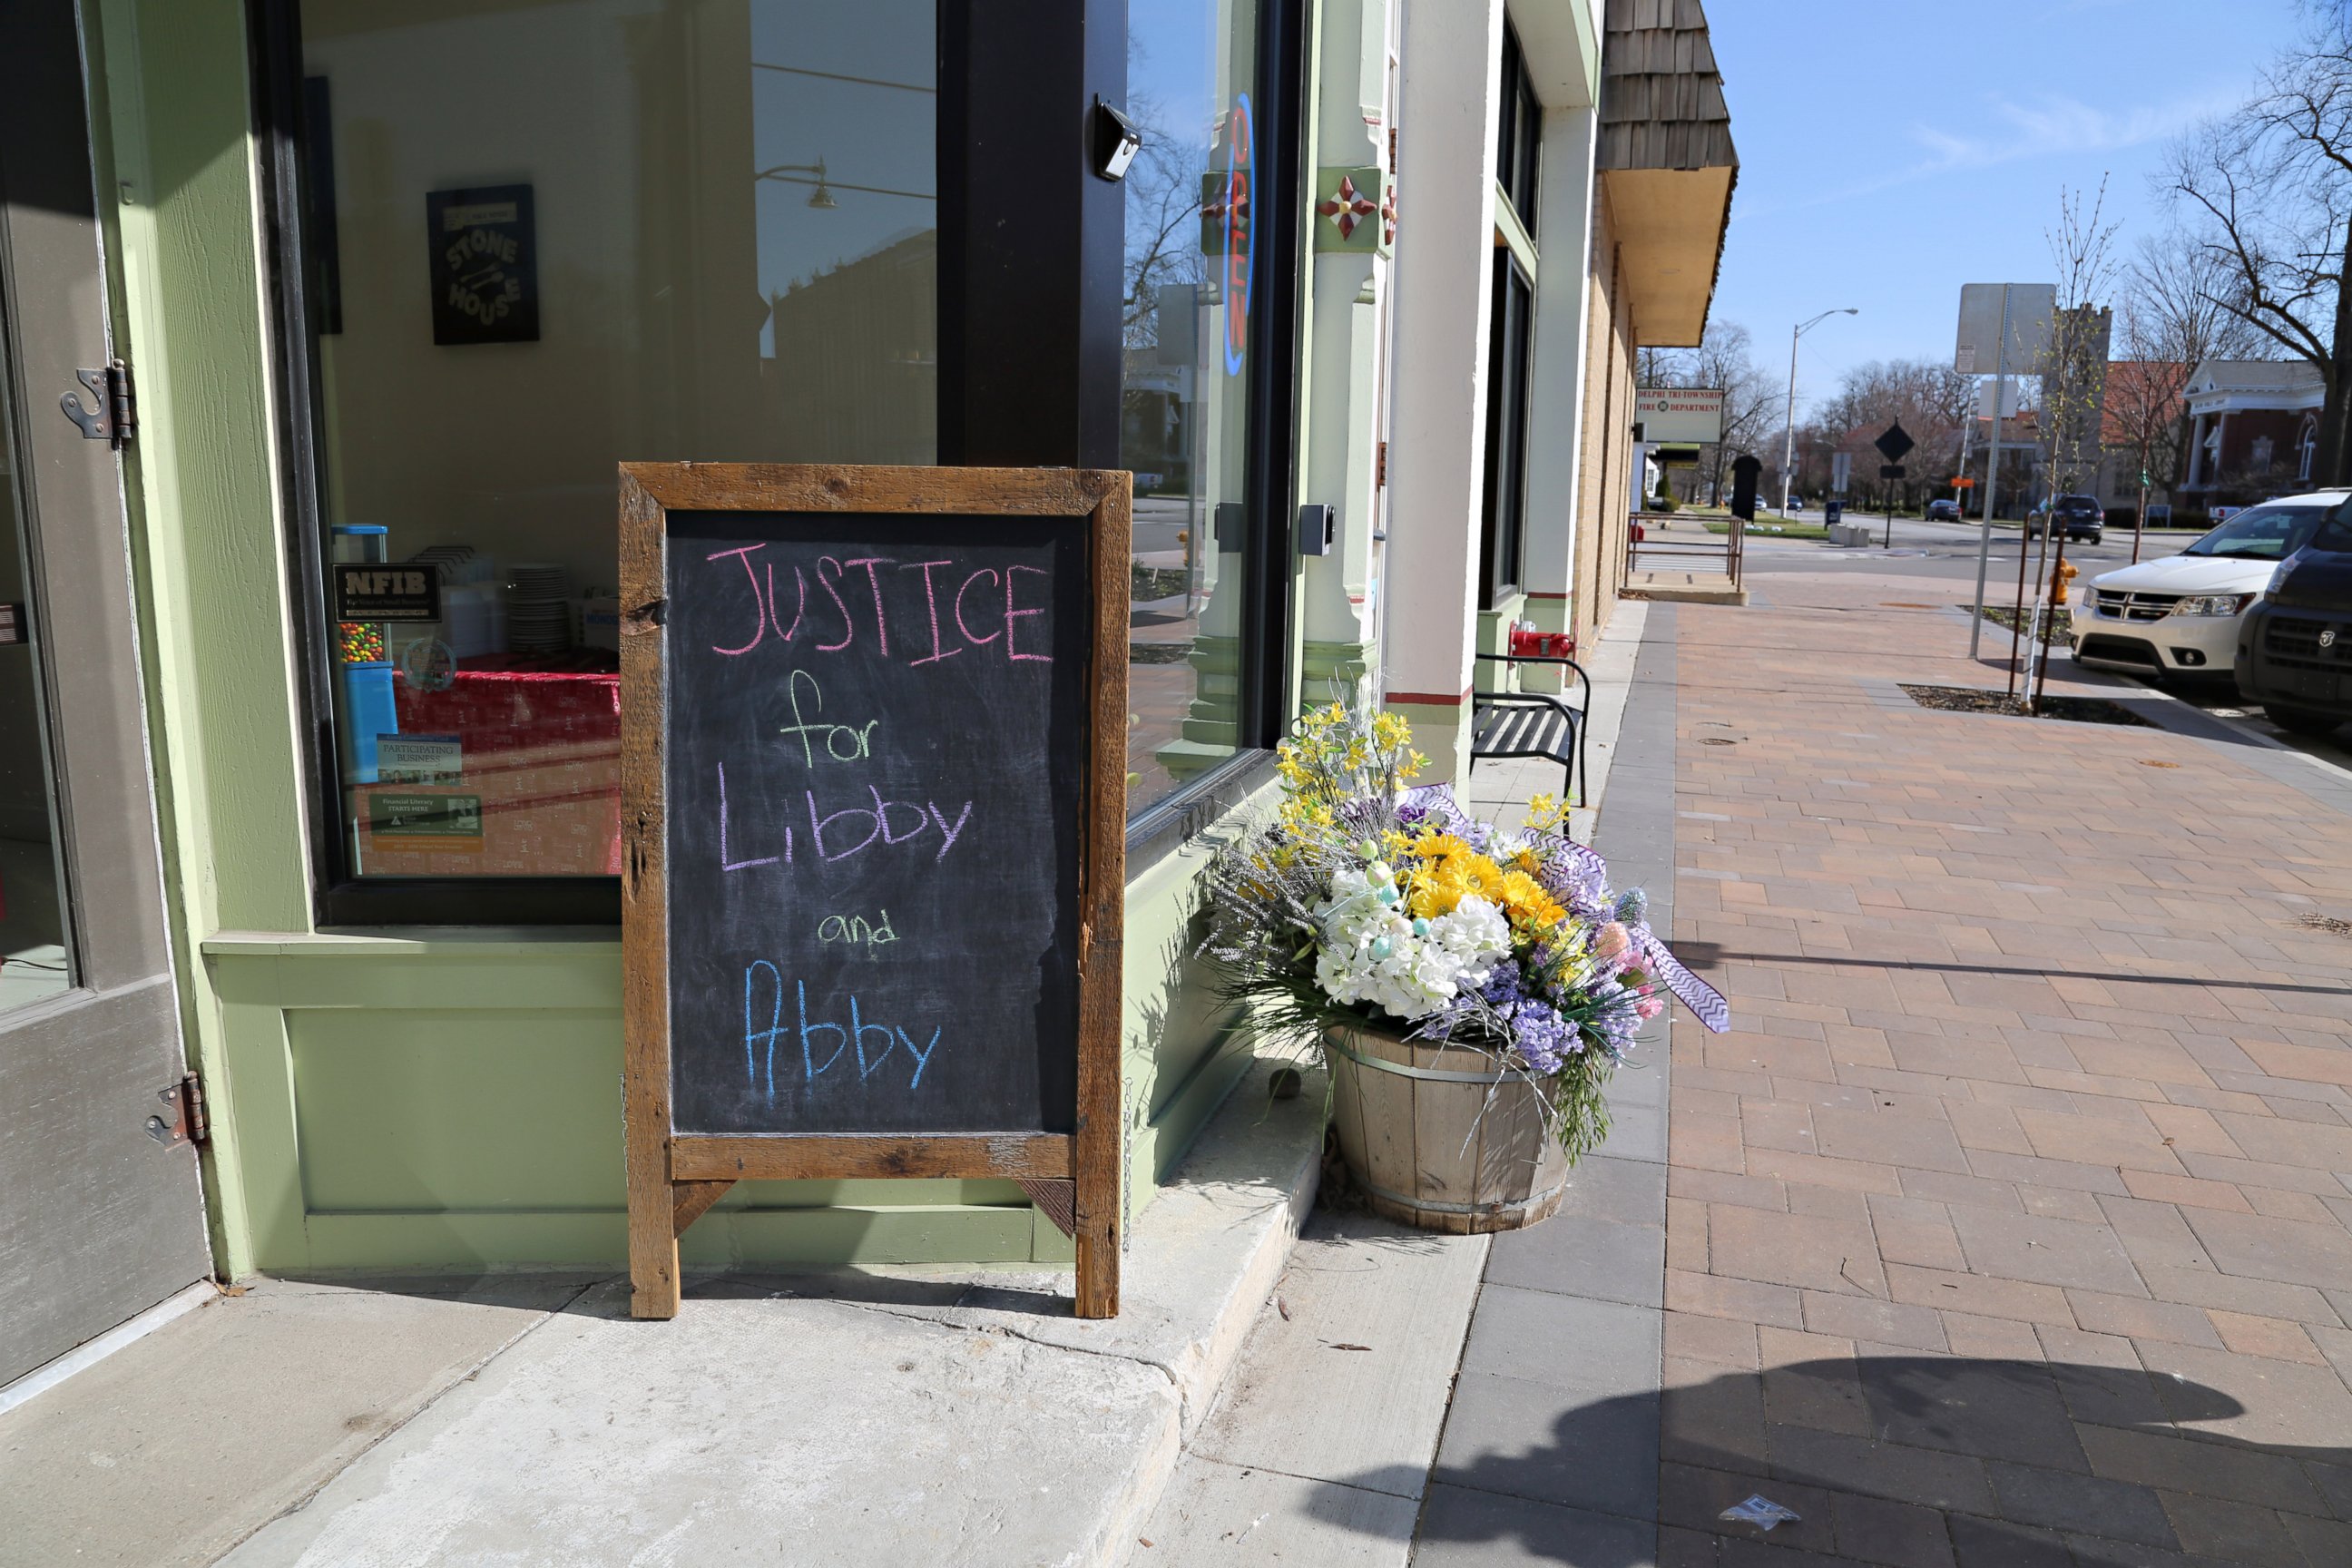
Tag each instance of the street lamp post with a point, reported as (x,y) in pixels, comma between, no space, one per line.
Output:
(1788,448)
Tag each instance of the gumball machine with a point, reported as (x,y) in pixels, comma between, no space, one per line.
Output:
(361,665)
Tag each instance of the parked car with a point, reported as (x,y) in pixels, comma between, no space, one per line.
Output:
(1943,511)
(2082,517)
(2294,646)
(2182,613)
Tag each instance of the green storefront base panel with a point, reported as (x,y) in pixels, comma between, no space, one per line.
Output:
(802,1238)
(485,1131)
(446,1109)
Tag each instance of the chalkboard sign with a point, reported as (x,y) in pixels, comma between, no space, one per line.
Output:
(874,792)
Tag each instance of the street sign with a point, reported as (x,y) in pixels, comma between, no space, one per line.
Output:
(1890,471)
(1680,413)
(1840,471)
(1894,444)
(1977,349)
(1964,483)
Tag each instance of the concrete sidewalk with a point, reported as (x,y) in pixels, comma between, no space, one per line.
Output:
(1408,1395)
(857,1417)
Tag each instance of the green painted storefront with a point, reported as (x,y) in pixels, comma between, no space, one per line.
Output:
(445,1096)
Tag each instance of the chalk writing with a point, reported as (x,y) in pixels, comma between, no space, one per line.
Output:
(858,740)
(856,930)
(833,573)
(822,1041)
(870,748)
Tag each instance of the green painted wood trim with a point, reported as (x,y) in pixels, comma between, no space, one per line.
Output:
(171,111)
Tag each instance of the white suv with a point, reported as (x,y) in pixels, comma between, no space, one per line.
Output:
(2180,614)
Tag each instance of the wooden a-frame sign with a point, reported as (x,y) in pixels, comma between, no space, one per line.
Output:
(873,787)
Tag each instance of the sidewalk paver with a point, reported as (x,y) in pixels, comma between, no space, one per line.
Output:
(2009,1225)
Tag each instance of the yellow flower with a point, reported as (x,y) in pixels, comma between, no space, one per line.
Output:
(1436,846)
(1526,901)
(1441,883)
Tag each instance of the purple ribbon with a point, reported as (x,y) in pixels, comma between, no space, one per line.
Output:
(1586,874)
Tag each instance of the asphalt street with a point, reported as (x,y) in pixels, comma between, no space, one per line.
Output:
(1951,549)
(1946,553)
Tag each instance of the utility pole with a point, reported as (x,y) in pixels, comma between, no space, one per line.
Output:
(1789,447)
(1992,475)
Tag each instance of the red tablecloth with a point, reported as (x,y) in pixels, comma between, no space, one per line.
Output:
(509,701)
(540,740)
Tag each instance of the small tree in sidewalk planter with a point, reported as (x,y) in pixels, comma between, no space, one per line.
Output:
(1471,989)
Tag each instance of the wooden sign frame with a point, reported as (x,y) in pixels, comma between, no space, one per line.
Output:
(672,1178)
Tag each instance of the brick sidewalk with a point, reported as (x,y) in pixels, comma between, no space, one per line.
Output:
(2009,1229)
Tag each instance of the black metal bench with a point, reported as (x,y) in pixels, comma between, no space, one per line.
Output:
(1530,723)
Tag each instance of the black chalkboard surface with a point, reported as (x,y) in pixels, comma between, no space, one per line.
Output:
(873,906)
(874,802)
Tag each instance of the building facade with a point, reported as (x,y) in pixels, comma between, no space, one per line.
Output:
(2254,427)
(400,286)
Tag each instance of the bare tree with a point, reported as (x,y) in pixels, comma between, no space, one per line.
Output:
(2073,369)
(2074,374)
(2171,319)
(2268,189)
(1751,397)
(1931,400)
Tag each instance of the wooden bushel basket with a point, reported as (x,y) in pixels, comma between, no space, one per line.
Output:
(1436,1141)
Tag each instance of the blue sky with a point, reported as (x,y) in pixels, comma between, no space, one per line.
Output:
(1893,150)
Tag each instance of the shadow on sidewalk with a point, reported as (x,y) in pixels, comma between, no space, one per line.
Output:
(1928,1460)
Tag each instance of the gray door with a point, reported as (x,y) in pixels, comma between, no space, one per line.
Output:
(101,1212)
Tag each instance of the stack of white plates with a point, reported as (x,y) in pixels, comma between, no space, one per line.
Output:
(539,611)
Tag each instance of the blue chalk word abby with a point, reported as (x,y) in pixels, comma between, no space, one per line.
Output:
(823,1041)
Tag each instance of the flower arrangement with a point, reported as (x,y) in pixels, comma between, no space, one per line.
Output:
(1368,903)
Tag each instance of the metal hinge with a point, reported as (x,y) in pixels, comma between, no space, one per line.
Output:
(183,1119)
(1381,468)
(115,418)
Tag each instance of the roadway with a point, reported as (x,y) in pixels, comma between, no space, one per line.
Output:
(1945,555)
(1948,547)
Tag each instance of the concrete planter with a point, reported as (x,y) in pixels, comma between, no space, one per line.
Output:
(1437,1137)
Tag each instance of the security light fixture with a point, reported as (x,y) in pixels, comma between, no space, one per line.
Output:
(1117,139)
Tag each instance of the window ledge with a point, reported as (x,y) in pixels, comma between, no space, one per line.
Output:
(473,942)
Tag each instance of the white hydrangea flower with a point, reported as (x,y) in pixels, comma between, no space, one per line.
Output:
(1475,933)
(1369,953)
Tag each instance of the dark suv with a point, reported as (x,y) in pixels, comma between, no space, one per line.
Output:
(2081,516)
(2295,645)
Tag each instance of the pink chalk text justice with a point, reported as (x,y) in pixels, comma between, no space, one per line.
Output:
(960,609)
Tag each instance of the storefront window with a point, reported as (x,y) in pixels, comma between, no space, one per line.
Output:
(1510,339)
(1194,269)
(543,240)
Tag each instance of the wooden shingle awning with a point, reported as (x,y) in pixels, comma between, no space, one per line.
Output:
(1666,160)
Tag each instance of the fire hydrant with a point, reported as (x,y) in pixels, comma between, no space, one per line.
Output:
(2063,574)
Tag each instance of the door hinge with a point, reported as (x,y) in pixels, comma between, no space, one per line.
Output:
(1381,468)
(183,1119)
(114,419)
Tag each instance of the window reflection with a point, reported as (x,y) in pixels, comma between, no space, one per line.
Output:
(1190,268)
(546,240)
